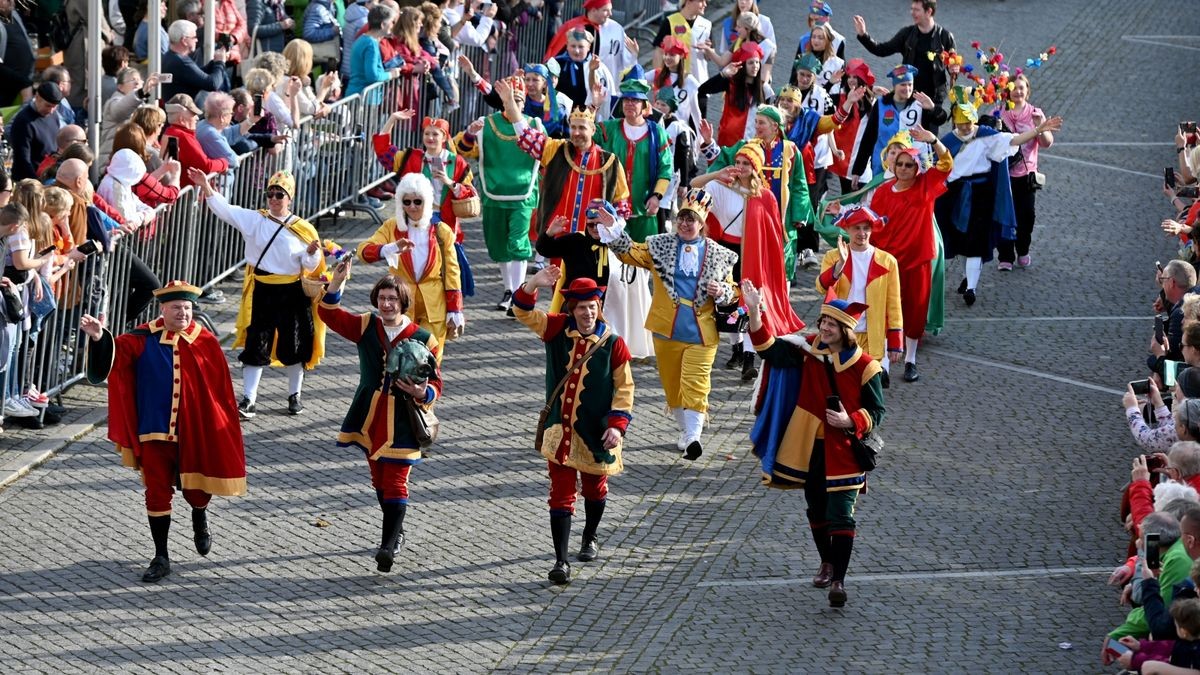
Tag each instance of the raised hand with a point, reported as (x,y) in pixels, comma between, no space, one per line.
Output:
(923,98)
(706,131)
(557,226)
(91,326)
(475,127)
(860,25)
(467,67)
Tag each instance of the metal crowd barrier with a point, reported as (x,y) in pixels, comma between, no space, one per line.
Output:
(335,167)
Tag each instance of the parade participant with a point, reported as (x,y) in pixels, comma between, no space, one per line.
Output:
(591,407)
(277,323)
(581,254)
(1023,174)
(907,201)
(684,147)
(814,97)
(673,75)
(859,272)
(748,223)
(420,252)
(729,38)
(581,72)
(743,84)
(689,26)
(644,151)
(608,41)
(692,276)
(446,170)
(542,100)
(748,28)
(509,190)
(899,110)
(857,74)
(920,46)
(819,12)
(783,168)
(819,45)
(977,213)
(172,413)
(828,368)
(378,420)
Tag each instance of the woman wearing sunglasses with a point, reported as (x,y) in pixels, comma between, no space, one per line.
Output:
(429,265)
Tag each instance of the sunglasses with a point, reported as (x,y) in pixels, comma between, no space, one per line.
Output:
(412,202)
(905,165)
(276,194)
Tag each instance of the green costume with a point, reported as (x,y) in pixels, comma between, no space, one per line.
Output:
(508,186)
(648,164)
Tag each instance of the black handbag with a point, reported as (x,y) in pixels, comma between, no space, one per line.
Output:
(422,421)
(732,319)
(14,309)
(866,449)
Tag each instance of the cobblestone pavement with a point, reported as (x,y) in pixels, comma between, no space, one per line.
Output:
(983,540)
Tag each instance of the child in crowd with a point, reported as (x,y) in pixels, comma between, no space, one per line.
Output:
(1183,653)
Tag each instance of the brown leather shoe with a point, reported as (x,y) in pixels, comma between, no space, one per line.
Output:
(837,594)
(824,576)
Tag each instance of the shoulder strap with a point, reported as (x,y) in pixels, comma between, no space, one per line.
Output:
(438,237)
(586,355)
(272,239)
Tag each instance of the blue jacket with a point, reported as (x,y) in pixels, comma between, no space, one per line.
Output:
(320,24)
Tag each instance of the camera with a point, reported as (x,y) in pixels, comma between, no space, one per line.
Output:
(224,41)
(1140,387)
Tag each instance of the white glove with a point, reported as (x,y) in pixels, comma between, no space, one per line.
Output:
(611,233)
(391,253)
(455,319)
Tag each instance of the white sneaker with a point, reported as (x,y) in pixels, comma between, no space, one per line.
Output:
(18,407)
(808,259)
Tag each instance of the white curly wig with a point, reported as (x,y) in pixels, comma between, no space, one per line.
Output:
(414,185)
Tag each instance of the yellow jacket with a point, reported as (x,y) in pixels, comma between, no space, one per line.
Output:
(885,321)
(438,287)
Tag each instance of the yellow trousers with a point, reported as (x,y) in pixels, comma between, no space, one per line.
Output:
(686,371)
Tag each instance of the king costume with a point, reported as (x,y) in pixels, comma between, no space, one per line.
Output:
(173,416)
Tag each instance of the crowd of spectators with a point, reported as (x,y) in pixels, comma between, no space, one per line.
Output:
(1161,508)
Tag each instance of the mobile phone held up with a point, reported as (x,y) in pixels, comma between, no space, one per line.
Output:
(1169,177)
(833,403)
(1171,371)
(1140,387)
(1153,559)
(1115,648)
(88,248)
(258,103)
(172,147)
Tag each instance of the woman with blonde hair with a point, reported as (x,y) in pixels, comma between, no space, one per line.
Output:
(151,119)
(748,222)
(299,55)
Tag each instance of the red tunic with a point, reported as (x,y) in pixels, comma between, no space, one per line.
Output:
(762,262)
(203,410)
(909,232)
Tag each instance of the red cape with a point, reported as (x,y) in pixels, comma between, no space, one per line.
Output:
(559,41)
(762,262)
(211,452)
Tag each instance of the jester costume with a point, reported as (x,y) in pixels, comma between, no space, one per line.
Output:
(378,422)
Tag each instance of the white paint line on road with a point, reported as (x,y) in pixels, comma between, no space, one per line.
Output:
(1101,144)
(1042,155)
(1029,572)
(1009,319)
(1024,371)
(1157,40)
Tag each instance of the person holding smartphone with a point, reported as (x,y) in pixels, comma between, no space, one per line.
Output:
(828,369)
(1177,278)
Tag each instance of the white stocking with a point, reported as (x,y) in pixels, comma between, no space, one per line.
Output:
(251,376)
(973,267)
(910,355)
(295,373)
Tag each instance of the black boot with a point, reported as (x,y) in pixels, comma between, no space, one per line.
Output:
(160,527)
(735,361)
(591,547)
(749,372)
(200,531)
(840,547)
(389,542)
(820,535)
(560,529)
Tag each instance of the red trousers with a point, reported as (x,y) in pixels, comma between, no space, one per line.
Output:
(914,299)
(563,487)
(390,480)
(160,473)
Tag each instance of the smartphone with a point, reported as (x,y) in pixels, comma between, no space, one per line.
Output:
(45,251)
(1160,328)
(1171,370)
(224,41)
(258,101)
(1187,127)
(88,248)
(1188,192)
(172,151)
(1115,647)
(833,403)
(1153,560)
(1140,387)
(165,78)
(1169,177)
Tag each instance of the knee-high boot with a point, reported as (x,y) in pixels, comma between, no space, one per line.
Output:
(840,546)
(560,530)
(591,547)
(200,532)
(390,540)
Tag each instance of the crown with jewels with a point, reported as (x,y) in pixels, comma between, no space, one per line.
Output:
(697,201)
(582,114)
